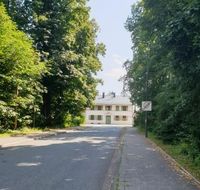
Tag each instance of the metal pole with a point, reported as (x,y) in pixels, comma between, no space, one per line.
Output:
(146,126)
(146,94)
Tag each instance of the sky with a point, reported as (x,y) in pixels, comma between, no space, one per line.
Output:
(111,16)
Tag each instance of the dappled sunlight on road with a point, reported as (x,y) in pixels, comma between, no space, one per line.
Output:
(26,164)
(58,159)
(68,179)
(67,137)
(62,140)
(80,158)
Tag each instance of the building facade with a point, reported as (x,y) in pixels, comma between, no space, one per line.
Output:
(110,110)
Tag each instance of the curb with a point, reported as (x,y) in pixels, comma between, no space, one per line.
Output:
(113,170)
(180,169)
(41,136)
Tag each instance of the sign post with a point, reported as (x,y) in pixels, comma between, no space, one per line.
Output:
(146,106)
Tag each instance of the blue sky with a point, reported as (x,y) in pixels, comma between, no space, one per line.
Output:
(111,16)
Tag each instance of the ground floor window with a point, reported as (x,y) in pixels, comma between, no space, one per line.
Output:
(117,118)
(96,117)
(91,117)
(99,117)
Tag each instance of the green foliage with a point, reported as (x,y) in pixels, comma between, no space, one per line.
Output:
(165,68)
(74,61)
(71,121)
(65,37)
(20,73)
(180,152)
(19,132)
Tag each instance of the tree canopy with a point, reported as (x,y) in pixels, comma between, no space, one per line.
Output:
(20,75)
(65,37)
(166,49)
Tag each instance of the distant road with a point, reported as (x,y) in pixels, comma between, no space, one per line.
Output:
(77,160)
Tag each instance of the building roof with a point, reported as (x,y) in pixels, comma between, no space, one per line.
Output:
(112,100)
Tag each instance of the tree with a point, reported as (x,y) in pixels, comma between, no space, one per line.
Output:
(165,42)
(20,74)
(65,37)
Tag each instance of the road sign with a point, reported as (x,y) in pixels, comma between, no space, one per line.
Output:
(147,106)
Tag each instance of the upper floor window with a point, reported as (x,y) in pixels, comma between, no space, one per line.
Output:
(124,108)
(99,107)
(108,108)
(117,108)
(93,108)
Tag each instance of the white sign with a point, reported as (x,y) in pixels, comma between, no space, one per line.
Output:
(147,106)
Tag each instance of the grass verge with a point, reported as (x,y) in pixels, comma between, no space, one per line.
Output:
(23,131)
(28,131)
(175,151)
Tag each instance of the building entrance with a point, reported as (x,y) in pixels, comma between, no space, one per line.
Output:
(108,119)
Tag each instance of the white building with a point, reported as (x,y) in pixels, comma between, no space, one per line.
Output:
(110,109)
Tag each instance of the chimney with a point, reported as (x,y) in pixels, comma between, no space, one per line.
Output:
(114,94)
(103,95)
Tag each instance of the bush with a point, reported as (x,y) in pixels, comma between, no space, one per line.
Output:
(71,121)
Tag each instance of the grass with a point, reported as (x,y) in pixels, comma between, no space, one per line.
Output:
(176,152)
(23,131)
(116,183)
(27,131)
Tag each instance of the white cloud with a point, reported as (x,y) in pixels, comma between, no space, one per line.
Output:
(115,73)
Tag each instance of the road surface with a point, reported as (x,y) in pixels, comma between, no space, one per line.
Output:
(77,160)
(83,160)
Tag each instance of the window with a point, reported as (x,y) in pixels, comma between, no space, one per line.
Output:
(117,108)
(124,108)
(99,107)
(91,117)
(99,117)
(124,118)
(116,118)
(108,108)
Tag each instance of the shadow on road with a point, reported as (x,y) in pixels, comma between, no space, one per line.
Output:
(67,161)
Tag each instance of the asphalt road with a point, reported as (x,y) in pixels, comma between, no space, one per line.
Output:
(77,160)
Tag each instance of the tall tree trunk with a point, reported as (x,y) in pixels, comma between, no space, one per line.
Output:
(34,120)
(46,109)
(15,120)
